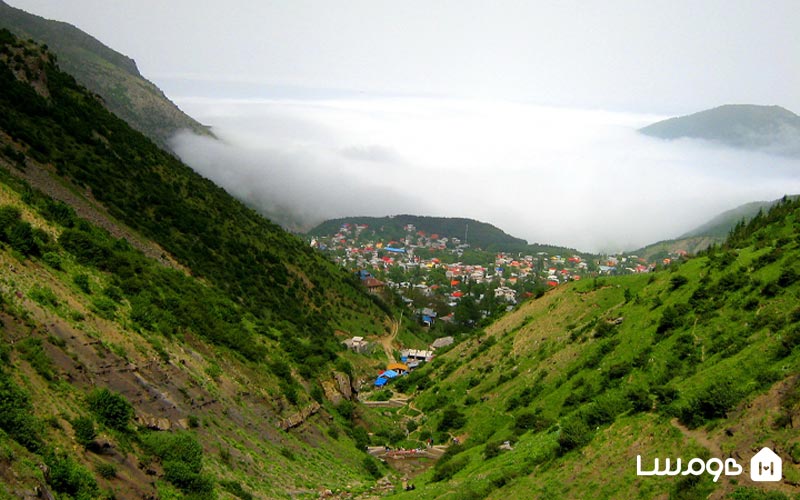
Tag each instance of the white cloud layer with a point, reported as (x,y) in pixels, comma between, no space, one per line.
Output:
(571,177)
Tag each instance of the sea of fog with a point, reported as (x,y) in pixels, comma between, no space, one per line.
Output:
(580,178)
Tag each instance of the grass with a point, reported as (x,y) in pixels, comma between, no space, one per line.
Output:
(624,380)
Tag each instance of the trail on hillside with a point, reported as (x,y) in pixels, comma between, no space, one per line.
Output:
(386,341)
(700,437)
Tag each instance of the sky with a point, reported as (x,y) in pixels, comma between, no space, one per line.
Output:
(522,114)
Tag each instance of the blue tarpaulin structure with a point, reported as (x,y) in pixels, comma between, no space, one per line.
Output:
(381,381)
(389,374)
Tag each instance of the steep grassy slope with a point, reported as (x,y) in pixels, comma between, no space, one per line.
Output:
(157,336)
(67,330)
(105,72)
(698,360)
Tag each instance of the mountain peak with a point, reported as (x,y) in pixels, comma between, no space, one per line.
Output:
(772,129)
(106,72)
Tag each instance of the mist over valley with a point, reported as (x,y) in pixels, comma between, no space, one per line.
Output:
(581,178)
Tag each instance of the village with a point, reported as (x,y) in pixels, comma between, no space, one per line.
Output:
(442,279)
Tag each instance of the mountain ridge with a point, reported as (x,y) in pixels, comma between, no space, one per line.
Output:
(162,315)
(106,72)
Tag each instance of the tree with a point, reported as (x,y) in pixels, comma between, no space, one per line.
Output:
(467,312)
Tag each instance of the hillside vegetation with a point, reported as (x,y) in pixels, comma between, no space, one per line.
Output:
(106,72)
(697,360)
(710,233)
(158,337)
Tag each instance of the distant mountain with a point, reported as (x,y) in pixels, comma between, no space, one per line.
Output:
(111,75)
(768,128)
(476,233)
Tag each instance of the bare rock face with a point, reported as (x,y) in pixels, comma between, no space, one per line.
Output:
(338,389)
(299,417)
(332,393)
(344,386)
(154,423)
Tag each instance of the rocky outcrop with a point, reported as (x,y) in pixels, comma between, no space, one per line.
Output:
(338,389)
(154,423)
(301,416)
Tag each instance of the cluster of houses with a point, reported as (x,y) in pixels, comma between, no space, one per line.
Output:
(409,358)
(397,264)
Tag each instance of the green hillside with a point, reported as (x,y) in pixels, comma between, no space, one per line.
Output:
(697,360)
(106,72)
(770,128)
(157,337)
(721,225)
(712,232)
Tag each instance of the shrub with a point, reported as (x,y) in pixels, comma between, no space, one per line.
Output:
(346,409)
(182,458)
(106,470)
(788,277)
(673,317)
(371,465)
(677,281)
(111,408)
(43,295)
(604,329)
(235,489)
(52,259)
(69,478)
(32,351)
(287,453)
(491,450)
(82,282)
(104,307)
(16,415)
(448,469)
(574,434)
(531,421)
(452,418)
(84,430)
(713,402)
(360,436)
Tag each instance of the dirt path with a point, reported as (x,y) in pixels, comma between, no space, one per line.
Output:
(386,342)
(700,437)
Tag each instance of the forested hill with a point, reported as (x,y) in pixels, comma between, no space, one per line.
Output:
(475,233)
(106,72)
